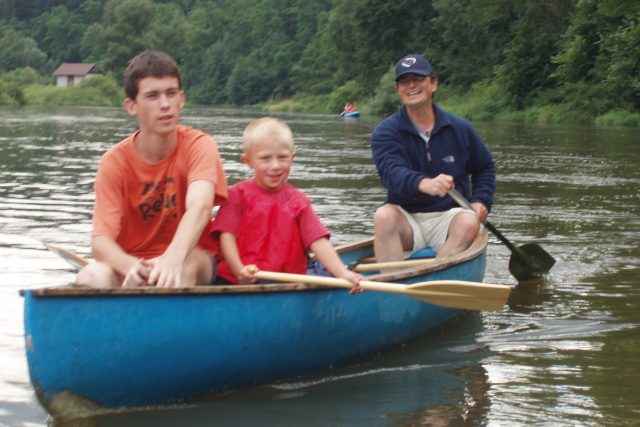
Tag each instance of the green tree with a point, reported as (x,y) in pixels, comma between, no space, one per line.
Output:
(167,30)
(91,11)
(527,66)
(310,74)
(207,79)
(210,52)
(25,76)
(120,35)
(246,51)
(24,10)
(598,65)
(472,36)
(259,73)
(360,39)
(18,50)
(11,94)
(578,55)
(59,33)
(575,60)
(619,65)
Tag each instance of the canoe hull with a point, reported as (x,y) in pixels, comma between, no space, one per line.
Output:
(350,115)
(123,349)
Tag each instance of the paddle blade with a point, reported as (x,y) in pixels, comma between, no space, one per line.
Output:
(530,261)
(461,294)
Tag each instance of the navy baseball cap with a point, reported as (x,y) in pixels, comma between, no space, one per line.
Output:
(414,64)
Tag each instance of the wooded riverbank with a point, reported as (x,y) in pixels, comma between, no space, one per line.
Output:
(559,61)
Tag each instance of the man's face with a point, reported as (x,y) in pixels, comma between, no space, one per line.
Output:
(415,90)
(157,105)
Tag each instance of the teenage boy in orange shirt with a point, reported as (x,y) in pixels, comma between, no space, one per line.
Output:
(155,190)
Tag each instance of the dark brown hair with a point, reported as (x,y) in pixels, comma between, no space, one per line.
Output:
(148,63)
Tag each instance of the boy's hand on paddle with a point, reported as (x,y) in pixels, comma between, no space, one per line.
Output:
(354,278)
(247,274)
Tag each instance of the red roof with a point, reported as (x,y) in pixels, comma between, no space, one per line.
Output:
(71,69)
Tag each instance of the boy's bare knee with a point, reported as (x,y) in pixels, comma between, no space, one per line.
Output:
(98,275)
(198,268)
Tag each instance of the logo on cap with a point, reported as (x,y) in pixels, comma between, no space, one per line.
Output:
(408,62)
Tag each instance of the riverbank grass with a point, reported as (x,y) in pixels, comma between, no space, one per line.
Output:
(97,91)
(486,102)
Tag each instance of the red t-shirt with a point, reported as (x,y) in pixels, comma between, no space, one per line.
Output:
(273,229)
(139,205)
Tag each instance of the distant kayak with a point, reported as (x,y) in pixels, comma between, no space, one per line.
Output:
(350,115)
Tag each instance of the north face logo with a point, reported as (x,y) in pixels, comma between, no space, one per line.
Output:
(408,62)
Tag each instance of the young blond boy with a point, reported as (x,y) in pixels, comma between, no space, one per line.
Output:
(266,222)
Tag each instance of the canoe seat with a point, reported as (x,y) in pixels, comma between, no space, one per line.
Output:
(423,253)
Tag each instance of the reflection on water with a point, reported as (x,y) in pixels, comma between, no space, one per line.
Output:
(469,403)
(561,352)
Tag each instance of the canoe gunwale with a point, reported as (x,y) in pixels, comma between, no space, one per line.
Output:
(81,291)
(431,265)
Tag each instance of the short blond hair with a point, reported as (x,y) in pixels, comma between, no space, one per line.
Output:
(266,128)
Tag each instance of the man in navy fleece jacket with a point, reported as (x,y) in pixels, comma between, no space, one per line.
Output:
(421,153)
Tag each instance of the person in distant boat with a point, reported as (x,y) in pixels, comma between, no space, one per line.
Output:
(348,109)
(154,190)
(422,152)
(267,223)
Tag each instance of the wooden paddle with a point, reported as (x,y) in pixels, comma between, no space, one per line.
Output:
(407,263)
(447,293)
(75,260)
(528,261)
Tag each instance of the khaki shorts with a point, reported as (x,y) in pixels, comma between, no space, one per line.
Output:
(430,229)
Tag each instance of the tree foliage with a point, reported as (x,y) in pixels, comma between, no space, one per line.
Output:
(18,50)
(472,38)
(120,35)
(59,33)
(581,53)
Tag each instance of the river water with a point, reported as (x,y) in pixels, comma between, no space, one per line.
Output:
(562,352)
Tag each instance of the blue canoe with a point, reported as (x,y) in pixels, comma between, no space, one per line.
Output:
(90,349)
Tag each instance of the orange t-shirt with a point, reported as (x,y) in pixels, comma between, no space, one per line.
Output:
(139,205)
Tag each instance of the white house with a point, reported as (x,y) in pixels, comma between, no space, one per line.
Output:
(69,73)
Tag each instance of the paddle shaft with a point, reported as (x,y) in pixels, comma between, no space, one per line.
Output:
(408,263)
(459,198)
(77,261)
(465,204)
(447,293)
(331,281)
(530,262)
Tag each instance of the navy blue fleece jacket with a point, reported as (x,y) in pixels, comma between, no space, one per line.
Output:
(455,149)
